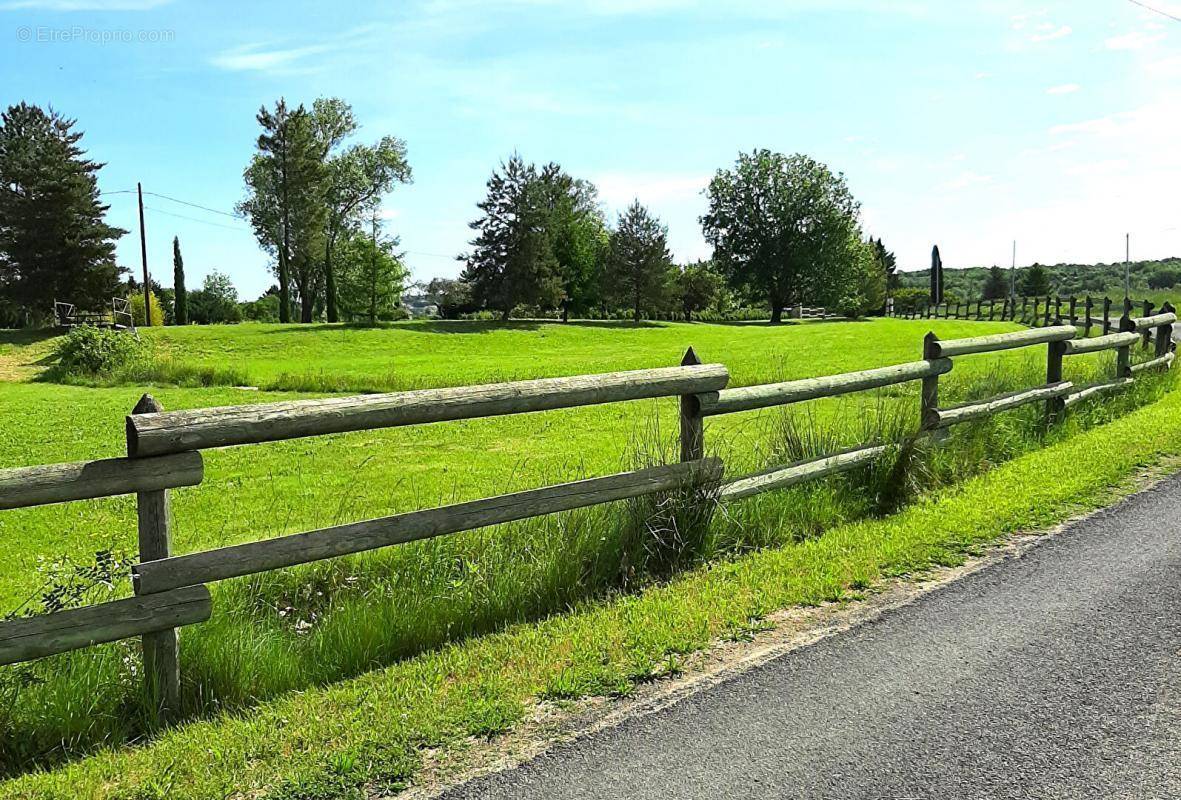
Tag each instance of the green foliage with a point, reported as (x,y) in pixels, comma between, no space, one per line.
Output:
(372,276)
(88,350)
(453,297)
(54,241)
(137,310)
(264,309)
(888,262)
(180,306)
(781,228)
(1164,278)
(1034,281)
(215,302)
(996,286)
(638,268)
(874,265)
(698,286)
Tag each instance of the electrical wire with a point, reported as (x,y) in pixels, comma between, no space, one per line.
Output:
(194,205)
(195,219)
(1163,13)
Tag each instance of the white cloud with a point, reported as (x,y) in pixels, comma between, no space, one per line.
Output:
(618,189)
(1048,32)
(968,179)
(254,58)
(1065,88)
(1136,40)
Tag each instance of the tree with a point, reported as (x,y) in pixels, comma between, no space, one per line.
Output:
(372,275)
(1035,281)
(936,276)
(869,296)
(54,241)
(357,178)
(639,264)
(216,301)
(698,286)
(512,262)
(180,298)
(285,183)
(996,286)
(781,227)
(578,237)
(453,297)
(888,263)
(138,317)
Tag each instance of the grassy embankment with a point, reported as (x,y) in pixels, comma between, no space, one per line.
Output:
(300,628)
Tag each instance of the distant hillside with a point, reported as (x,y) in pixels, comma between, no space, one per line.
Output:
(1148,277)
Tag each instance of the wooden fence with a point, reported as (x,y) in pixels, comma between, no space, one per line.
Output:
(163,454)
(1089,313)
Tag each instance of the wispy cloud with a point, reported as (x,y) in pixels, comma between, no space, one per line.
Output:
(1136,40)
(1065,88)
(1048,32)
(967,180)
(285,59)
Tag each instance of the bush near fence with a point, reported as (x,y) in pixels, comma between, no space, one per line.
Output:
(163,454)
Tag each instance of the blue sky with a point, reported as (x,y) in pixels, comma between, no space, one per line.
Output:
(967,123)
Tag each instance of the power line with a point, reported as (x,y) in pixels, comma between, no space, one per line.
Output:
(194,205)
(194,219)
(1163,13)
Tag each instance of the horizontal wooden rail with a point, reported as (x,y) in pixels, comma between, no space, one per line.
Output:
(85,480)
(1162,361)
(198,429)
(747,398)
(944,417)
(301,548)
(1155,321)
(1110,341)
(1002,341)
(799,472)
(35,637)
(1096,390)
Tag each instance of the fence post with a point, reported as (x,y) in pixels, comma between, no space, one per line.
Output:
(1147,331)
(1164,333)
(162,649)
(692,423)
(1073,310)
(1087,310)
(992,308)
(1123,355)
(1055,406)
(1033,319)
(1046,318)
(1024,305)
(1106,315)
(930,392)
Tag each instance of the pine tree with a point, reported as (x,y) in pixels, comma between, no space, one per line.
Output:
(54,242)
(180,313)
(512,262)
(995,285)
(1035,282)
(639,265)
(888,262)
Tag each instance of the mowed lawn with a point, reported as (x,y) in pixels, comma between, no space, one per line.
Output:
(265,490)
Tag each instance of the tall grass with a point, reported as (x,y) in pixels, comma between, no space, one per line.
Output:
(287,630)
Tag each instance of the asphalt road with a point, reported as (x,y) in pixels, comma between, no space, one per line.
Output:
(1055,675)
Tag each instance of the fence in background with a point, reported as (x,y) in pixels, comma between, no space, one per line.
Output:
(1083,312)
(163,454)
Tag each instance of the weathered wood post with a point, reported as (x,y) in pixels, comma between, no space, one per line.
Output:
(162,649)
(1088,307)
(1106,315)
(992,309)
(1073,310)
(1057,309)
(1123,355)
(1046,318)
(1164,333)
(1024,304)
(1033,319)
(1055,406)
(930,392)
(1147,331)
(692,423)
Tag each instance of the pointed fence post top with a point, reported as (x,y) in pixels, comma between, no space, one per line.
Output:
(690,358)
(147,405)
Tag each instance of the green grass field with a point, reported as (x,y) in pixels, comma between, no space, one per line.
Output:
(297,629)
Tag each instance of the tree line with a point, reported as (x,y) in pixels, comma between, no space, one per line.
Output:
(784,230)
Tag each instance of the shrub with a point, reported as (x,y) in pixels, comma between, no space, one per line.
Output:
(94,351)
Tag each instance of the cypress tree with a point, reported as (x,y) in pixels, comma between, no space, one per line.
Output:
(180,300)
(936,276)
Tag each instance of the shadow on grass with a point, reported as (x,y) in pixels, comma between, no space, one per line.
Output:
(22,337)
(468,326)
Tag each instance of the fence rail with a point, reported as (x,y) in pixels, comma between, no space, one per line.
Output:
(163,454)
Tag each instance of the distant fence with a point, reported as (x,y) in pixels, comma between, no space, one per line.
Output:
(163,453)
(1086,312)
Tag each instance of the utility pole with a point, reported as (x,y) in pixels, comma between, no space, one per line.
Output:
(143,252)
(1127,265)
(1013,274)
